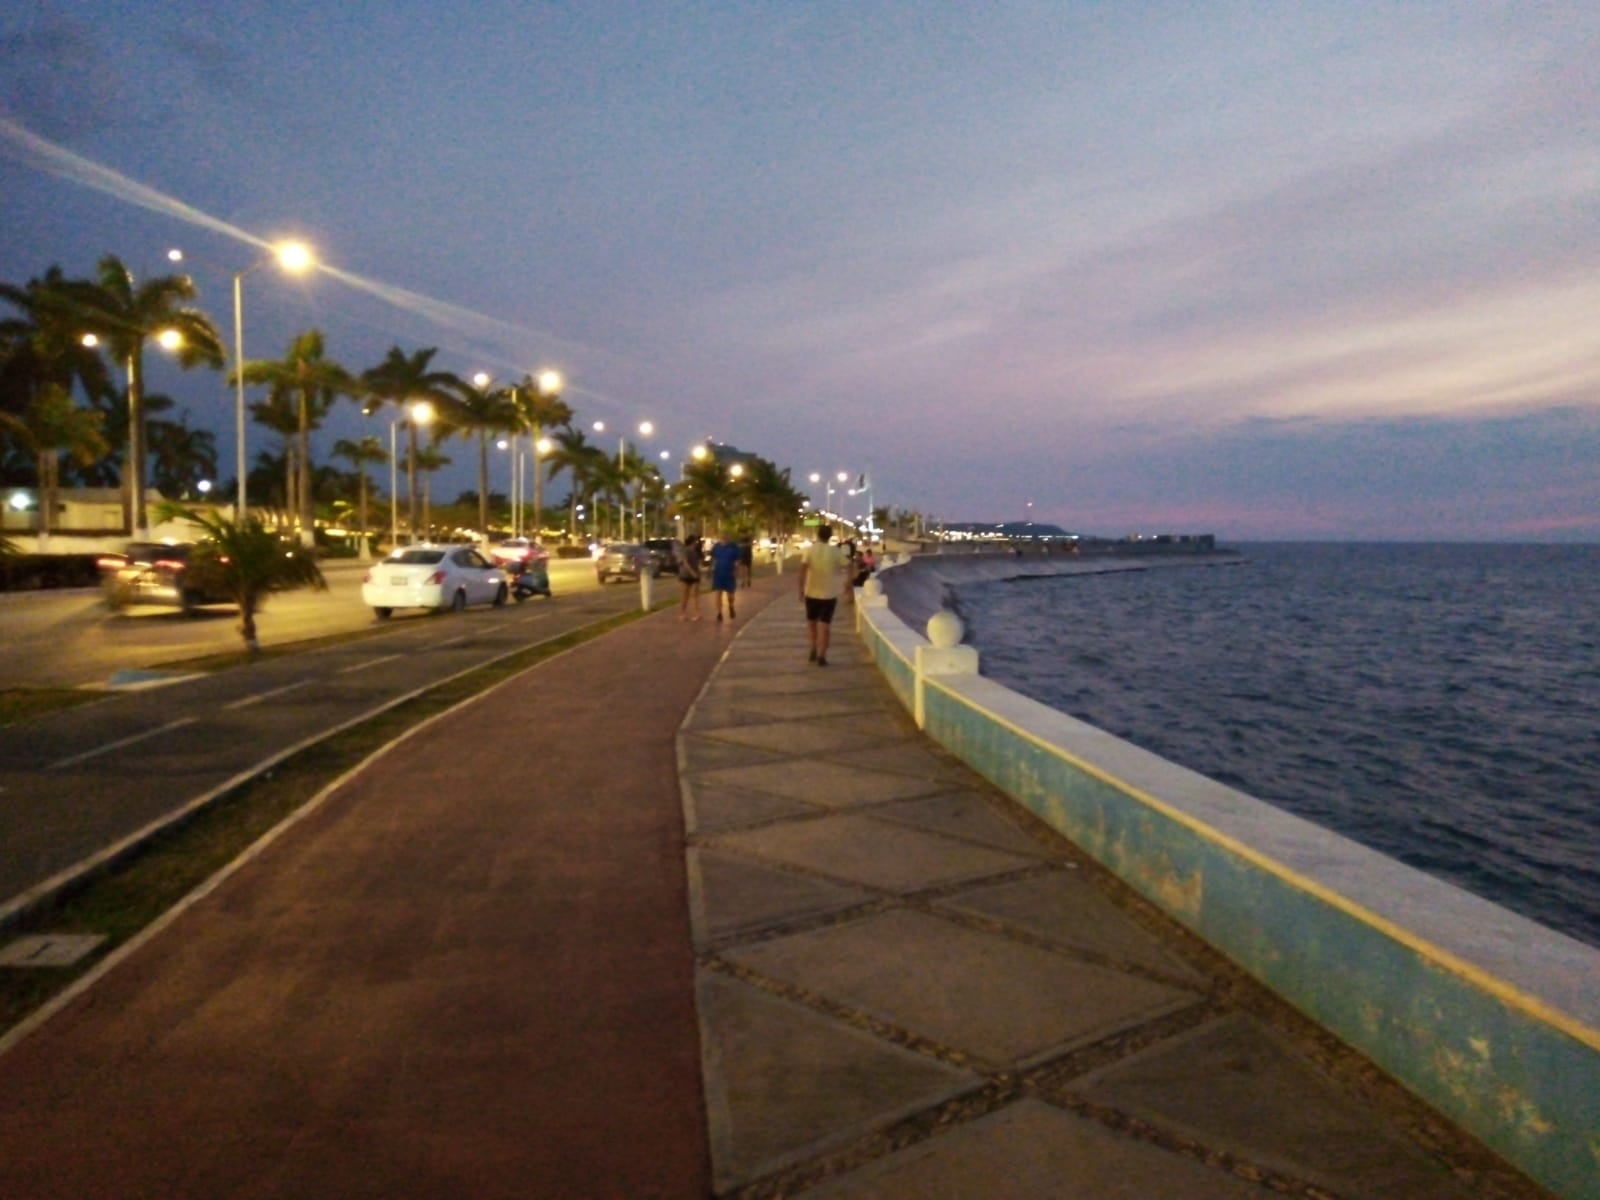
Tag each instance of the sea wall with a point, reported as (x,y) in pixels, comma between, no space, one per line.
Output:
(1490,1017)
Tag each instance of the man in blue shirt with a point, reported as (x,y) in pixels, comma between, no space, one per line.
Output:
(724,573)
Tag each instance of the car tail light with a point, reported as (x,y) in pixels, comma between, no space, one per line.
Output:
(111,563)
(169,564)
(436,577)
(367,578)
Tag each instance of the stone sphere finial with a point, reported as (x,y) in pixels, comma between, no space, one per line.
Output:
(872,587)
(945,629)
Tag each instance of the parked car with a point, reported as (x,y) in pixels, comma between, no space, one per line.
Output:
(668,552)
(623,560)
(518,551)
(439,577)
(154,573)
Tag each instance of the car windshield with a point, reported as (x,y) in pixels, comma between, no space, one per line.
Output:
(417,557)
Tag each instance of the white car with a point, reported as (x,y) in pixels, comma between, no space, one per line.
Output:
(437,577)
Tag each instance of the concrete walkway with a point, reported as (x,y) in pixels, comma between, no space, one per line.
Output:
(906,989)
(495,964)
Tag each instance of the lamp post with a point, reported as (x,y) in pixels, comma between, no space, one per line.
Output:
(294,257)
(419,412)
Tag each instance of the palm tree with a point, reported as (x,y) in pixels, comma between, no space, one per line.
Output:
(426,459)
(314,382)
(124,317)
(583,462)
(768,495)
(53,426)
(483,410)
(280,413)
(246,562)
(541,407)
(708,493)
(180,456)
(369,450)
(400,380)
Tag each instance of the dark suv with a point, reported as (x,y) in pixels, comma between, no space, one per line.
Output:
(668,552)
(153,573)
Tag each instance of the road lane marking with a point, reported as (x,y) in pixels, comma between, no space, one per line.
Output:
(260,696)
(362,666)
(117,745)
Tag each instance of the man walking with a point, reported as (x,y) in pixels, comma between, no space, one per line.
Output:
(724,573)
(822,573)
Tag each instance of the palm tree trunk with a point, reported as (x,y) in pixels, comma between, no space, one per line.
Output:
(135,469)
(363,553)
(483,484)
(303,467)
(538,482)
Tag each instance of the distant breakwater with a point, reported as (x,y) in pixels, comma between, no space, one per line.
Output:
(929,582)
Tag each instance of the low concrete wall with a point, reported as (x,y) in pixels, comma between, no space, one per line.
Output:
(1490,1017)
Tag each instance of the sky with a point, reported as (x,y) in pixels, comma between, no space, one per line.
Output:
(1265,270)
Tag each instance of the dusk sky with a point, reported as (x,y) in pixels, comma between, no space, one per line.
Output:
(1269,270)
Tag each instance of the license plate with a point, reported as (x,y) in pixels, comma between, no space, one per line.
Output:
(398,580)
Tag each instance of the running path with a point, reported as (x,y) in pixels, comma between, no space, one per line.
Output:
(468,973)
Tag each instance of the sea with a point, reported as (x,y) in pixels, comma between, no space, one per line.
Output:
(1439,703)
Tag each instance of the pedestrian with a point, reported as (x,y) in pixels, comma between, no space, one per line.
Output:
(689,575)
(822,575)
(866,564)
(747,560)
(724,573)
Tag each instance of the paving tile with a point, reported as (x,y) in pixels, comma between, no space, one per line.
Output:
(1010,1004)
(700,754)
(1030,1150)
(913,756)
(1234,1085)
(875,853)
(968,815)
(820,781)
(784,1083)
(713,807)
(732,895)
(1065,908)
(837,702)
(794,737)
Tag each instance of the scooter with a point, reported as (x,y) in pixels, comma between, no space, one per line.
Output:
(532,580)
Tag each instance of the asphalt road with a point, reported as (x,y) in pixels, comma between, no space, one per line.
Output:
(76,784)
(71,639)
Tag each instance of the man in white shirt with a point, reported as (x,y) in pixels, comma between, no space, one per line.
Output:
(822,576)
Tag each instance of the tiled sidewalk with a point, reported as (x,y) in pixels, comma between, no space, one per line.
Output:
(907,989)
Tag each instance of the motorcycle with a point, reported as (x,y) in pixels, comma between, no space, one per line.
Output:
(531,579)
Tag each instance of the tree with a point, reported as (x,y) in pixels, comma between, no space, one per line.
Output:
(124,317)
(708,493)
(368,450)
(426,459)
(280,413)
(401,380)
(52,426)
(247,563)
(583,463)
(482,410)
(180,456)
(41,347)
(768,495)
(314,382)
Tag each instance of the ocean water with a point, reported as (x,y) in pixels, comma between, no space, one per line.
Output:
(1438,703)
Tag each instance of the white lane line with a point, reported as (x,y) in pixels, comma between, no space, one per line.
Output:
(260,696)
(117,745)
(455,641)
(362,666)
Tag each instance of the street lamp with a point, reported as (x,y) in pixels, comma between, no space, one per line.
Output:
(295,258)
(419,412)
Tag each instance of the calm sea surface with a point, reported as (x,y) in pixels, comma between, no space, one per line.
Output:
(1439,703)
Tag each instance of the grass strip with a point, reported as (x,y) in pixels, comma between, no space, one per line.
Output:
(136,890)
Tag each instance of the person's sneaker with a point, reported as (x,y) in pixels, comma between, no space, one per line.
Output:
(822,660)
(719,616)
(813,657)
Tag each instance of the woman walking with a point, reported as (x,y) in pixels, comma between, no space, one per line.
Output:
(689,575)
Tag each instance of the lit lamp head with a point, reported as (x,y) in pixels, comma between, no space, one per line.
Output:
(550,383)
(544,445)
(646,428)
(169,339)
(421,412)
(481,379)
(294,257)
(700,453)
